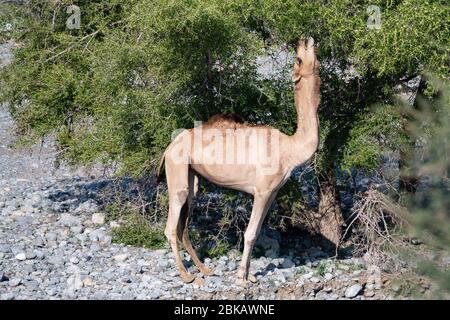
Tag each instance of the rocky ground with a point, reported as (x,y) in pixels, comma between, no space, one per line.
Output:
(55,243)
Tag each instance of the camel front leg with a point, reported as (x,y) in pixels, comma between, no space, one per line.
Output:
(261,205)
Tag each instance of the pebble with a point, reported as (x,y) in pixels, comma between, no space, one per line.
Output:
(14,282)
(21,256)
(30,255)
(7,296)
(328,276)
(3,277)
(369,293)
(68,220)
(353,291)
(98,218)
(88,282)
(121,257)
(74,260)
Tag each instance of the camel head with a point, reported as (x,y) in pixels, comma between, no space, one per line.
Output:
(306,63)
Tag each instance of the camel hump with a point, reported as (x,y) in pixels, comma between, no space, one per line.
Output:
(225,121)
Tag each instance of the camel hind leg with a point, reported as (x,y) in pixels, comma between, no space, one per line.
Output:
(193,188)
(178,187)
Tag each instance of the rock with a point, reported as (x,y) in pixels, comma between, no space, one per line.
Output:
(98,218)
(121,257)
(7,296)
(72,269)
(74,260)
(51,236)
(218,272)
(268,244)
(14,282)
(76,229)
(30,255)
(114,224)
(39,254)
(100,295)
(353,291)
(94,247)
(369,293)
(232,265)
(31,284)
(97,235)
(55,260)
(154,294)
(3,277)
(106,240)
(87,282)
(69,294)
(28,268)
(75,282)
(21,256)
(68,220)
(89,206)
(287,263)
(328,276)
(35,200)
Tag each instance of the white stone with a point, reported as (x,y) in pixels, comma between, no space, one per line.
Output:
(21,256)
(88,281)
(328,276)
(353,291)
(98,218)
(121,257)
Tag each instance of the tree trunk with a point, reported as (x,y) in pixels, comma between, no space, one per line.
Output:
(408,178)
(330,215)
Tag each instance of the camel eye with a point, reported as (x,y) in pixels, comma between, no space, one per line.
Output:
(299,61)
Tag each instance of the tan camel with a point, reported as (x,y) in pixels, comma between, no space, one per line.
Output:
(254,177)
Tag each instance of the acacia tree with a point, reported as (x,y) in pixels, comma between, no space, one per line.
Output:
(116,88)
(363,67)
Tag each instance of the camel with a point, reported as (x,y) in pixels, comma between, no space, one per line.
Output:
(253,177)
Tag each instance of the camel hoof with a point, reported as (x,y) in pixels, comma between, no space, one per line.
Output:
(252,278)
(207,271)
(199,282)
(187,278)
(242,283)
(244,278)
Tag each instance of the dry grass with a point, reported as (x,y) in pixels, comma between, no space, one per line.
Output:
(377,224)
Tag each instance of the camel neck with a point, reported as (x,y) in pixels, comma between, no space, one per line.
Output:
(307,99)
(306,138)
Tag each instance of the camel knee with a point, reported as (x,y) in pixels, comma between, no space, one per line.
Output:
(249,238)
(182,195)
(170,233)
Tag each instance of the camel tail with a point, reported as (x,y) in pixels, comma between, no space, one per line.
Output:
(159,176)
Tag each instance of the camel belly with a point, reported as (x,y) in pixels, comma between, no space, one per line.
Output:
(238,177)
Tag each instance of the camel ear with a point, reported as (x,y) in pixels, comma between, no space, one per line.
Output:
(296,77)
(310,43)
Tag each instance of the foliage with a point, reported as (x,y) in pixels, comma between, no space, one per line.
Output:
(117,88)
(429,208)
(136,231)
